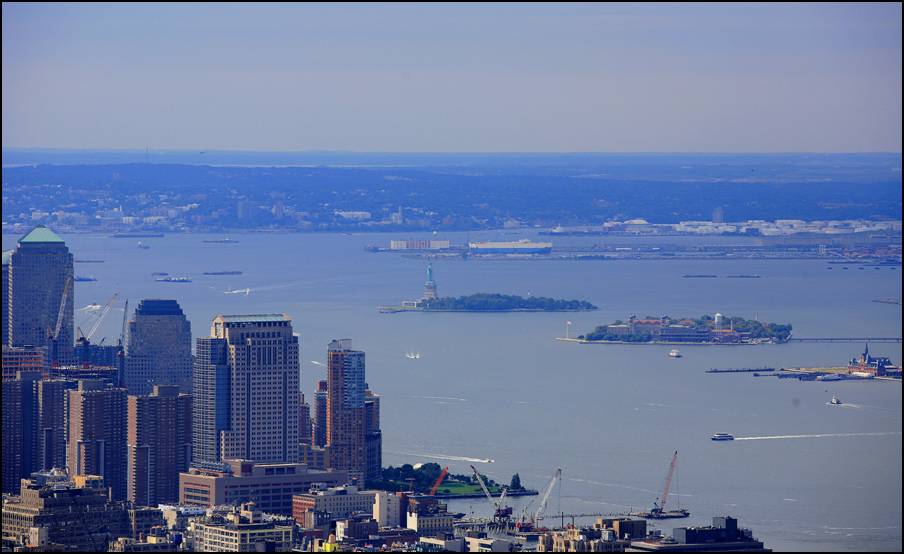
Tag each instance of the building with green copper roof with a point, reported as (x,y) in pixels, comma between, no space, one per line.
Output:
(40,234)
(40,274)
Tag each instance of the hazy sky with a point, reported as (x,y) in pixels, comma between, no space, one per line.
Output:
(454,77)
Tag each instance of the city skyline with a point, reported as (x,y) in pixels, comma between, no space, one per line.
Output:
(594,77)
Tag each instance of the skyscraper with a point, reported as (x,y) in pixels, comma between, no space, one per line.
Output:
(97,434)
(373,437)
(246,395)
(159,348)
(345,432)
(34,426)
(320,400)
(159,444)
(40,273)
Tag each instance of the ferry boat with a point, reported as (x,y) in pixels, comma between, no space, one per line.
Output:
(722,437)
(830,377)
(175,279)
(674,354)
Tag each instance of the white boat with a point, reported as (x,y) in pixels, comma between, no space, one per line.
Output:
(830,377)
(675,354)
(412,355)
(835,400)
(722,437)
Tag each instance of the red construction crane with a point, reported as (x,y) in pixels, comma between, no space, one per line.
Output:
(439,480)
(668,481)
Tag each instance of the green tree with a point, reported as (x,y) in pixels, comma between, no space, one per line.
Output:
(516,482)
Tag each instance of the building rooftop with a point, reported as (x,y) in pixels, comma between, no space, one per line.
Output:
(257,318)
(40,234)
(158,306)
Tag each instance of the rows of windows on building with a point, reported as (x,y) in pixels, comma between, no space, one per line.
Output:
(146,414)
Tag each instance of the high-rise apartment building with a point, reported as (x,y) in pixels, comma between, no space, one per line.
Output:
(159,348)
(34,427)
(346,429)
(246,396)
(319,424)
(373,438)
(159,445)
(40,275)
(97,434)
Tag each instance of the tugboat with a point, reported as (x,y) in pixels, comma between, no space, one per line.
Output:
(835,400)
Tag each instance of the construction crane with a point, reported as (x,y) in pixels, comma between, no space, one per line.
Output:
(54,335)
(658,510)
(498,511)
(439,480)
(100,317)
(59,322)
(83,339)
(122,347)
(552,482)
(484,487)
(668,482)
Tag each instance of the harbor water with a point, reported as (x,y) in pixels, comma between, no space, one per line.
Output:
(803,474)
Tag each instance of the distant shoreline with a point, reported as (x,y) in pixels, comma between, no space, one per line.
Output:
(654,343)
(395,309)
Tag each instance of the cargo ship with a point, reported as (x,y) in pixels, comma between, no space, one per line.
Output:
(523,246)
(175,279)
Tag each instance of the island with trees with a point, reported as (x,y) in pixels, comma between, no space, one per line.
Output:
(705,329)
(492,302)
(421,478)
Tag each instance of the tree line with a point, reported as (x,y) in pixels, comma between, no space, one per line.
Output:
(502,302)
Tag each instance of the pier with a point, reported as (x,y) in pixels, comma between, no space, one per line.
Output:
(742,370)
(846,339)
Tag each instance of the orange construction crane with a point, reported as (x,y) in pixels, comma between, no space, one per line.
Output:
(665,491)
(439,480)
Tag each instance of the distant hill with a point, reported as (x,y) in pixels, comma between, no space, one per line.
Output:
(453,191)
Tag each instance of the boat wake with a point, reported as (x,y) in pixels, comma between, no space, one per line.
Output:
(443,457)
(817,436)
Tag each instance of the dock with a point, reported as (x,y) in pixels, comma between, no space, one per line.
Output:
(741,370)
